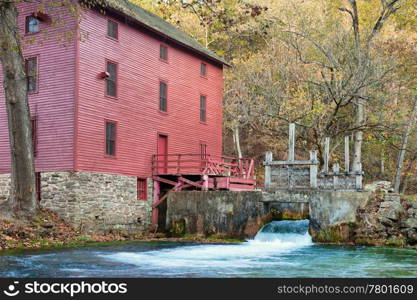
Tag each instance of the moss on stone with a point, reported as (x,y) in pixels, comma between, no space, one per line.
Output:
(287,215)
(178,227)
(396,241)
(334,234)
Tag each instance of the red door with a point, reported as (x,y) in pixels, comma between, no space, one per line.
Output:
(162,154)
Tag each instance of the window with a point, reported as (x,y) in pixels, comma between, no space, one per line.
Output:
(163,52)
(34,136)
(32,24)
(110,138)
(112,29)
(31,69)
(203,111)
(111,80)
(163,96)
(141,189)
(203,70)
(38,185)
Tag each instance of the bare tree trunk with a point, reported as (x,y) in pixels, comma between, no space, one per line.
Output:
(236,138)
(357,148)
(23,194)
(401,154)
(382,163)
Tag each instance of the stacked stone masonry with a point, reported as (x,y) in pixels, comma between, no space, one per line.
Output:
(94,202)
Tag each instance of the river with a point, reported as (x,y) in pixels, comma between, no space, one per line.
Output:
(280,249)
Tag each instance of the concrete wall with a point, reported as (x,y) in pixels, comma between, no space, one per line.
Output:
(242,214)
(332,208)
(225,213)
(325,209)
(94,202)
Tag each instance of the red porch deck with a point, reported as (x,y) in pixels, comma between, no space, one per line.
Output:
(214,172)
(199,171)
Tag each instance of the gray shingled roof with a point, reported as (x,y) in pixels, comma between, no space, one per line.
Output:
(159,25)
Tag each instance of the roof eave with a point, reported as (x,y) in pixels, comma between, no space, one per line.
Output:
(219,61)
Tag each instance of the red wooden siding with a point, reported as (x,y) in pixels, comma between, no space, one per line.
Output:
(53,102)
(71,106)
(136,109)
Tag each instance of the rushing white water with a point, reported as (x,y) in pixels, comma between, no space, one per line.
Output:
(274,239)
(280,249)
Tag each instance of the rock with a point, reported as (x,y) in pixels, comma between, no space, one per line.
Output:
(384,186)
(391,210)
(410,222)
(412,236)
(48,225)
(412,212)
(385,221)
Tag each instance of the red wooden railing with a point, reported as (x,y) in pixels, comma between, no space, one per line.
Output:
(204,164)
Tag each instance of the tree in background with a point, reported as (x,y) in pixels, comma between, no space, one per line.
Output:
(335,68)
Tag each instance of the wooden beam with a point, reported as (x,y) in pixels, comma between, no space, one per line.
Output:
(205,183)
(326,154)
(268,161)
(336,169)
(291,142)
(358,178)
(198,185)
(347,154)
(183,186)
(155,210)
(286,163)
(313,169)
(164,180)
(164,197)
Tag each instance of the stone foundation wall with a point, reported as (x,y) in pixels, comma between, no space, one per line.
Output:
(4,186)
(94,202)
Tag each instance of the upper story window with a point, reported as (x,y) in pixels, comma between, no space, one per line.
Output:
(111,138)
(113,29)
(203,108)
(203,70)
(163,52)
(31,69)
(163,92)
(32,24)
(111,80)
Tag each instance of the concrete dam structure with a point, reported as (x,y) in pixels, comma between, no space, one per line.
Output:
(242,214)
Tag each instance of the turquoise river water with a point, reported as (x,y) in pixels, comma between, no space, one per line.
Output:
(280,249)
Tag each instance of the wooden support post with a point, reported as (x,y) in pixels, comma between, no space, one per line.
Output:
(326,154)
(336,169)
(179,164)
(268,159)
(205,183)
(291,142)
(347,155)
(313,169)
(155,210)
(358,177)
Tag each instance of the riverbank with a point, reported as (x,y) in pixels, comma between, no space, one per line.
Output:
(47,230)
(282,249)
(387,220)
